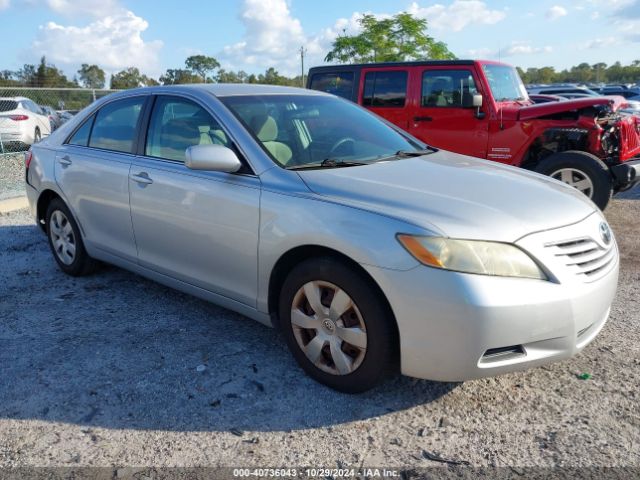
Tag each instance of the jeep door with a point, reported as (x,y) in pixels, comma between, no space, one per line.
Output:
(384,90)
(444,115)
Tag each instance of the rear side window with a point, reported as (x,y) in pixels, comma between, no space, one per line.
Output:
(447,88)
(385,89)
(177,124)
(115,125)
(8,105)
(81,137)
(337,83)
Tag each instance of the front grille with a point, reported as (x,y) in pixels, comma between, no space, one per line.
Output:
(629,139)
(584,256)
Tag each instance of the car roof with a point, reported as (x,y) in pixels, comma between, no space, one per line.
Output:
(14,99)
(229,89)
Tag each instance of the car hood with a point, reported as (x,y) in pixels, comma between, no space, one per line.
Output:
(544,109)
(455,195)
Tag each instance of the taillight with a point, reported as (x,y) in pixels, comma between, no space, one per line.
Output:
(27,159)
(18,118)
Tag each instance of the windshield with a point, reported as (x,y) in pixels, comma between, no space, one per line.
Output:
(505,83)
(307,130)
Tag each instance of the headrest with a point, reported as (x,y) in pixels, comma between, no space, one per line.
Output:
(265,128)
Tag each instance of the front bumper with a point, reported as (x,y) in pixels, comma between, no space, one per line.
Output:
(456,326)
(627,174)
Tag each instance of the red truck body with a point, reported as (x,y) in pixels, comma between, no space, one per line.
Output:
(433,101)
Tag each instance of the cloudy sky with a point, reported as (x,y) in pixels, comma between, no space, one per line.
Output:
(255,34)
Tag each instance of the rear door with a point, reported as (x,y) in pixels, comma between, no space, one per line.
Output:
(444,115)
(384,90)
(92,170)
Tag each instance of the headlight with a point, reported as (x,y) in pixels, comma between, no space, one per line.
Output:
(471,256)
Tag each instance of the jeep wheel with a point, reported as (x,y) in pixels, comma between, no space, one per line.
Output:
(583,171)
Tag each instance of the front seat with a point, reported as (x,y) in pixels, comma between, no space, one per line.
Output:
(266,129)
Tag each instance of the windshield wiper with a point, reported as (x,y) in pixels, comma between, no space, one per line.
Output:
(415,153)
(327,163)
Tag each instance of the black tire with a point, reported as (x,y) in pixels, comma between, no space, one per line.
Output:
(37,136)
(588,165)
(379,357)
(81,263)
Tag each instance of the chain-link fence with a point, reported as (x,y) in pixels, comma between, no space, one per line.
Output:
(30,114)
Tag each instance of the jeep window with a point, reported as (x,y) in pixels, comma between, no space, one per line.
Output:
(385,89)
(447,88)
(505,83)
(338,83)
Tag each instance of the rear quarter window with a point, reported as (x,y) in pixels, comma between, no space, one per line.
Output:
(385,89)
(336,83)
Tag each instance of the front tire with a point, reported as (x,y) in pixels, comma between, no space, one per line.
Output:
(336,325)
(65,240)
(583,171)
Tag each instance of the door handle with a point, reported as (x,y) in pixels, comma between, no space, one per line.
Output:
(65,161)
(142,178)
(422,119)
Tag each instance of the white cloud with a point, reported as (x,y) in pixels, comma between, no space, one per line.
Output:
(556,12)
(273,36)
(602,43)
(114,42)
(457,16)
(523,48)
(4,4)
(95,8)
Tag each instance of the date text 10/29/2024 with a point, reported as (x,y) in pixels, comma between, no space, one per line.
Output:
(315,473)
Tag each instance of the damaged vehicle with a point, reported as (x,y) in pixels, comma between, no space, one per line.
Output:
(482,109)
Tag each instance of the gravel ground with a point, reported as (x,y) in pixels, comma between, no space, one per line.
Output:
(11,175)
(107,370)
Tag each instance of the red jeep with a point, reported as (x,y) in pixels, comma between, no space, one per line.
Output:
(481,108)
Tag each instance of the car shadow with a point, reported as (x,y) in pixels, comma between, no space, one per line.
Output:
(115,350)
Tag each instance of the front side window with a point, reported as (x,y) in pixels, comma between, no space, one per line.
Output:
(302,130)
(385,89)
(115,125)
(338,83)
(177,124)
(447,88)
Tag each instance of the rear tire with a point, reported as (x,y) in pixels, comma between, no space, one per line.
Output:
(65,241)
(337,326)
(583,171)
(37,136)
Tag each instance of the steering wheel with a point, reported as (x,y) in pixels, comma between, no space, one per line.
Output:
(339,144)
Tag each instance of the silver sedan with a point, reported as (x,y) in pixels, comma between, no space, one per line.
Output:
(369,250)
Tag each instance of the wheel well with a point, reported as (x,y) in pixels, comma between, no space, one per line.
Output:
(555,140)
(293,257)
(43,203)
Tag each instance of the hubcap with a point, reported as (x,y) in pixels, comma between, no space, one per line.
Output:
(62,237)
(576,179)
(329,328)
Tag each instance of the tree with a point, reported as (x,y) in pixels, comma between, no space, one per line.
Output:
(400,38)
(91,76)
(130,78)
(231,77)
(201,65)
(174,76)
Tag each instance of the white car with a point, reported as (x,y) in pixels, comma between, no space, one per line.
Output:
(22,123)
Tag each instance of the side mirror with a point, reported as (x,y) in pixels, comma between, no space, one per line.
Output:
(214,158)
(477,100)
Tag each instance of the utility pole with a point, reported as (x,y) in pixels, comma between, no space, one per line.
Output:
(303,52)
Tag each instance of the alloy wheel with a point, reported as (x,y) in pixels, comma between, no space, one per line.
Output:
(577,179)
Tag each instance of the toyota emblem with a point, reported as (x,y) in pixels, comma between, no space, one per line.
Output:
(605,233)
